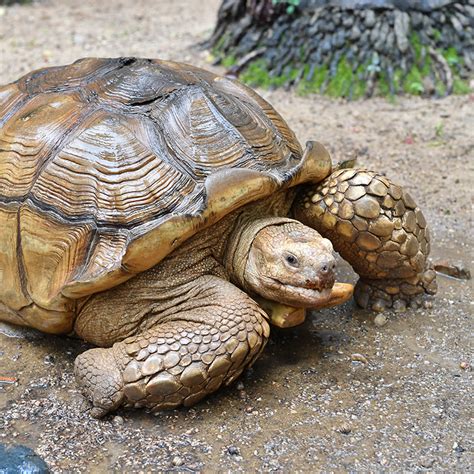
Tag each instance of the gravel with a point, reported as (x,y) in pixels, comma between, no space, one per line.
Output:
(306,406)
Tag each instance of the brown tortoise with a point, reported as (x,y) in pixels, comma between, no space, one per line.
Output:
(153,209)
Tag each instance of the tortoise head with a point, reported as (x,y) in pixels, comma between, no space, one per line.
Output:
(285,261)
(291,263)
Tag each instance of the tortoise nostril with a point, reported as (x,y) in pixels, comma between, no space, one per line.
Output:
(327,267)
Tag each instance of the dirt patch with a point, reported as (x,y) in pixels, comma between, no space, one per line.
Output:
(308,404)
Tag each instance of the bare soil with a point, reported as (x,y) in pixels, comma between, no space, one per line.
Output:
(309,404)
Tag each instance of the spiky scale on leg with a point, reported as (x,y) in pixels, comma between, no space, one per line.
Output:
(376,226)
(180,360)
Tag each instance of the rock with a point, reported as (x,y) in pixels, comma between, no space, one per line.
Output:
(345,428)
(401,26)
(469,11)
(380,320)
(458,448)
(374,34)
(428,85)
(49,359)
(427,304)
(456,24)
(18,458)
(326,45)
(381,39)
(355,32)
(117,420)
(463,20)
(339,39)
(348,21)
(416,19)
(399,306)
(233,451)
(427,462)
(369,18)
(177,461)
(359,358)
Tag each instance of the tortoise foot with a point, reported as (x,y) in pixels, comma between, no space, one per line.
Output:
(100,380)
(377,227)
(396,294)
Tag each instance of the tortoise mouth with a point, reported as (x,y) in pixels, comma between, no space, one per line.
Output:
(310,295)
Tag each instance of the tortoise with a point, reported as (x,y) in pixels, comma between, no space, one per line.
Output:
(168,215)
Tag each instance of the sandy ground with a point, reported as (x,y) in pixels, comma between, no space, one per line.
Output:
(305,406)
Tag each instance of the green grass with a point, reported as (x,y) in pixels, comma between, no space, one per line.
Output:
(413,83)
(228,61)
(451,57)
(257,75)
(440,88)
(340,84)
(349,83)
(314,85)
(460,87)
(290,5)
(11,2)
(437,35)
(416,45)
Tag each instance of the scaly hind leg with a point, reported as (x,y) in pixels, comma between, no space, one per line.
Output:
(376,226)
(185,356)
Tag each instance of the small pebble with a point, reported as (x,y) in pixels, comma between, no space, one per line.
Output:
(177,461)
(380,320)
(464,365)
(240,386)
(49,359)
(399,306)
(427,304)
(359,358)
(117,421)
(344,429)
(458,448)
(427,462)
(233,450)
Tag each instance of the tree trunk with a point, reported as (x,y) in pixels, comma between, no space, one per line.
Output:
(348,48)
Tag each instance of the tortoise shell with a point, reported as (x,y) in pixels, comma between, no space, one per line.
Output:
(107,165)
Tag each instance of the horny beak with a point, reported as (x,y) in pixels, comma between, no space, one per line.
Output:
(285,316)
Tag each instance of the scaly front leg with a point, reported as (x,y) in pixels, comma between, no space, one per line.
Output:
(376,226)
(207,342)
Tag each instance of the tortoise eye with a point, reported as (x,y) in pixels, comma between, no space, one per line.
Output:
(292,260)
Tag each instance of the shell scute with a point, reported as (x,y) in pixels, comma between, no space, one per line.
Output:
(106,175)
(31,136)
